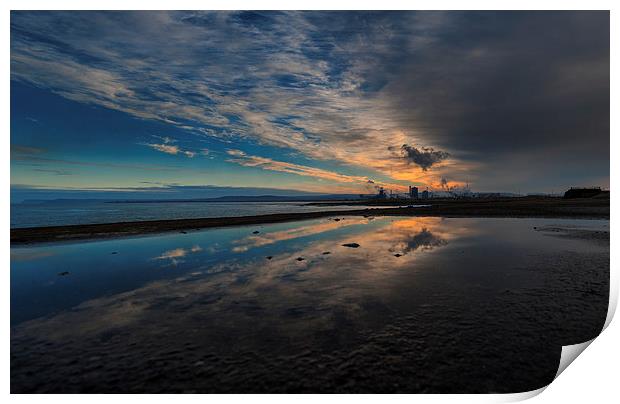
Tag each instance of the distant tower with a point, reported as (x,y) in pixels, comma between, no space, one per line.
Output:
(413,192)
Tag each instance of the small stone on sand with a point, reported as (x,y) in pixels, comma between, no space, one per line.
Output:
(300,258)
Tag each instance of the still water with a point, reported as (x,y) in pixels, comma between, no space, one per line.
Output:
(410,305)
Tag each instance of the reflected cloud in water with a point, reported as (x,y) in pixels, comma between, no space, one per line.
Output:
(334,282)
(253,241)
(245,318)
(174,255)
(27,255)
(424,240)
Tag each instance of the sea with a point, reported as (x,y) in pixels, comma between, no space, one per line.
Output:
(70,212)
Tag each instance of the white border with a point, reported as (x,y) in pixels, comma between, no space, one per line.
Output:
(594,375)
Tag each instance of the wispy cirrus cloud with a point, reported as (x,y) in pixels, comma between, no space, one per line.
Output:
(278,79)
(28,155)
(169,147)
(165,148)
(52,171)
(240,157)
(20,150)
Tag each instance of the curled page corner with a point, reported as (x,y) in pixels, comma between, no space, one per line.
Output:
(569,354)
(526,395)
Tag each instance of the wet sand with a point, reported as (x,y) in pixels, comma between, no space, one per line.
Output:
(593,208)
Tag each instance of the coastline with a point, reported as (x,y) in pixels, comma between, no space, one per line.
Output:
(590,208)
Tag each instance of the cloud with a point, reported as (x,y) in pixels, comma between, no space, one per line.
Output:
(36,156)
(240,157)
(25,150)
(279,80)
(168,148)
(165,148)
(425,157)
(52,171)
(235,153)
(481,86)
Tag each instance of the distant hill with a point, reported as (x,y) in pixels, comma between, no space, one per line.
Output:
(200,193)
(231,198)
(249,198)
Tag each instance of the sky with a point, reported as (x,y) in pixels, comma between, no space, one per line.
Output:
(210,103)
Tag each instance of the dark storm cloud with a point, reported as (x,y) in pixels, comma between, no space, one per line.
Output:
(517,92)
(424,157)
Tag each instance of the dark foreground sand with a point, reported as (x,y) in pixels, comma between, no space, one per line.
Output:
(594,208)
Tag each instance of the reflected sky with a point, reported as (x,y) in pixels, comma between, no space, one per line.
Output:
(277,290)
(111,266)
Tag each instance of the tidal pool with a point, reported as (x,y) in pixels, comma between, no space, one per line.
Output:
(420,305)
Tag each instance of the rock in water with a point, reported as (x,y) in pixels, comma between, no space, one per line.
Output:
(351,245)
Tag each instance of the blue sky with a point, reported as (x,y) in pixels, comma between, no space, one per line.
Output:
(336,102)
